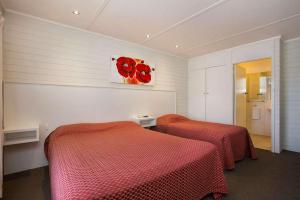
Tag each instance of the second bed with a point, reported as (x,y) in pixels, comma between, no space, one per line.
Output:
(233,142)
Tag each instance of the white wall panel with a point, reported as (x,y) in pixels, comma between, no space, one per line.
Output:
(39,54)
(290,95)
(215,59)
(50,106)
(37,51)
(252,51)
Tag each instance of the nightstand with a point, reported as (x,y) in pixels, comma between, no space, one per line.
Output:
(145,121)
(21,135)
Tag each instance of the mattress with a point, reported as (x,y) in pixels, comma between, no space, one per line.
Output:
(121,160)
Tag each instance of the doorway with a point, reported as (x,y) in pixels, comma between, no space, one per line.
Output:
(253,100)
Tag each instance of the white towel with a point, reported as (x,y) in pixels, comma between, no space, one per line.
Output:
(255,113)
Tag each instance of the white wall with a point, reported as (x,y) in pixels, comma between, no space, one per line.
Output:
(290,95)
(269,48)
(36,51)
(41,57)
(49,106)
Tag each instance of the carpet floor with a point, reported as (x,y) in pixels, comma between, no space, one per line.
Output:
(272,177)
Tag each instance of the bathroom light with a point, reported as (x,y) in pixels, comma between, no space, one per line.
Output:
(76,12)
(148,35)
(176,46)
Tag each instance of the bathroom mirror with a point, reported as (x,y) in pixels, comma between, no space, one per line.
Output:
(257,86)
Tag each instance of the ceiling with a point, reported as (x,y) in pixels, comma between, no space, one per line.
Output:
(196,26)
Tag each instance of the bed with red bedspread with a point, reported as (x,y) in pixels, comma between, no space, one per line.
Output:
(233,142)
(121,160)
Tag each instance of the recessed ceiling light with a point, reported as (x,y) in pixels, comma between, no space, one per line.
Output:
(177,46)
(148,35)
(76,12)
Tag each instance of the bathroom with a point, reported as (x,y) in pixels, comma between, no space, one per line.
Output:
(253,107)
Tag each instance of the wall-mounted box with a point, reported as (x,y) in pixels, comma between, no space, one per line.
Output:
(20,135)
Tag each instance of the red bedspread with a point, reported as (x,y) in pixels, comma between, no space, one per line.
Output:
(121,160)
(233,142)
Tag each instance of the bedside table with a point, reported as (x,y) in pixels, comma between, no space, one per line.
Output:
(20,135)
(145,121)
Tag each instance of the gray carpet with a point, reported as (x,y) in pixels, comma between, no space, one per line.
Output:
(272,177)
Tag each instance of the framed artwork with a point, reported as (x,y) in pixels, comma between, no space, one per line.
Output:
(134,71)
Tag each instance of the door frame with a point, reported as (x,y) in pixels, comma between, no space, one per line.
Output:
(269,48)
(272,96)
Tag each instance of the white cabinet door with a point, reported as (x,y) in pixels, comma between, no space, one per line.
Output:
(196,97)
(219,87)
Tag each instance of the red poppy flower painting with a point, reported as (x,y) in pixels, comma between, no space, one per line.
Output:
(126,66)
(131,71)
(143,73)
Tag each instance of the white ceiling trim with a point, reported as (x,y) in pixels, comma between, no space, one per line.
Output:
(200,12)
(243,32)
(292,40)
(99,11)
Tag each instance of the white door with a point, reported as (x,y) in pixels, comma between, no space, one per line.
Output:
(219,94)
(196,96)
(240,97)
